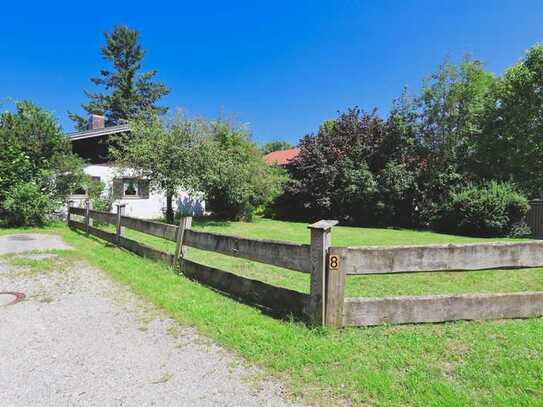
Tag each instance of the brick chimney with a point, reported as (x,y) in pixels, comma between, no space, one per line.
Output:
(96,121)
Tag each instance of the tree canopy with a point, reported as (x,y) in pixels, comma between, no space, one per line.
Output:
(174,155)
(435,155)
(241,181)
(511,143)
(129,94)
(276,145)
(215,160)
(37,167)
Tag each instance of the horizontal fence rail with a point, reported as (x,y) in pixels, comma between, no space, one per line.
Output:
(102,234)
(168,232)
(103,217)
(409,259)
(78,211)
(280,300)
(282,254)
(129,244)
(441,308)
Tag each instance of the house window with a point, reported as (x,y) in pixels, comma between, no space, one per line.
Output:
(82,190)
(135,188)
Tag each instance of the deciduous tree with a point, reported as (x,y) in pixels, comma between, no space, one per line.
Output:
(275,146)
(37,167)
(511,145)
(173,155)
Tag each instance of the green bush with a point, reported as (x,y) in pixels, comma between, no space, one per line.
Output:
(100,201)
(239,181)
(37,168)
(490,209)
(26,204)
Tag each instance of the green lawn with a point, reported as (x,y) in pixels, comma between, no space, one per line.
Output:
(451,364)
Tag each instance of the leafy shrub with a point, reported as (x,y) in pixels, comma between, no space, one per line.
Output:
(333,175)
(26,204)
(101,201)
(520,229)
(239,180)
(37,167)
(397,184)
(490,209)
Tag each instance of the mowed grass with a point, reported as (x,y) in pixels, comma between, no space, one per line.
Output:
(452,364)
(486,281)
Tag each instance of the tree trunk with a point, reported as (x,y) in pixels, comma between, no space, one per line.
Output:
(169,208)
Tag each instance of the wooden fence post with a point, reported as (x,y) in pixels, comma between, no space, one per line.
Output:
(120,229)
(321,239)
(68,217)
(88,220)
(335,291)
(185,223)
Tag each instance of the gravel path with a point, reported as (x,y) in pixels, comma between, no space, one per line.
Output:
(80,339)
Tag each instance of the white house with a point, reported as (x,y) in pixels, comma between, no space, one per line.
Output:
(140,201)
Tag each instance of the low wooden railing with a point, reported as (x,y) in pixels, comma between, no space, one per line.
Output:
(298,257)
(330,266)
(431,308)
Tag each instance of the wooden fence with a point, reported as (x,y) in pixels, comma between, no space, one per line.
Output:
(330,266)
(298,257)
(432,308)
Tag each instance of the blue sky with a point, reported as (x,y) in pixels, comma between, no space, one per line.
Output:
(281,66)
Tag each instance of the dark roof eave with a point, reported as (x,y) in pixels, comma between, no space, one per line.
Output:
(80,135)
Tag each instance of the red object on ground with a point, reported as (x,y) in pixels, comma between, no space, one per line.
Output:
(281,157)
(18,296)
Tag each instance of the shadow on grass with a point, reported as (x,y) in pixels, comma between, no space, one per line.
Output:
(281,314)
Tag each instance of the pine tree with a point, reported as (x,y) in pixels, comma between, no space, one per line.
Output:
(129,93)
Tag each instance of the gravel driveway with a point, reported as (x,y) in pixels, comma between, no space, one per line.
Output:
(80,339)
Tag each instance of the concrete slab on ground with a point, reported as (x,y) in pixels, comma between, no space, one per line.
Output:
(26,242)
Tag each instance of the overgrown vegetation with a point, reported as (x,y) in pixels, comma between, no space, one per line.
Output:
(466,127)
(240,181)
(494,209)
(37,167)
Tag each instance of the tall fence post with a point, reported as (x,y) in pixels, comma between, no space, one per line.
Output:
(120,229)
(321,239)
(185,223)
(335,291)
(88,220)
(68,216)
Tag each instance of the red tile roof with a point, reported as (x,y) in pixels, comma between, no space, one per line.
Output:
(281,157)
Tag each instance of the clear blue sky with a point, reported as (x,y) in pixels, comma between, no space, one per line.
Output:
(281,66)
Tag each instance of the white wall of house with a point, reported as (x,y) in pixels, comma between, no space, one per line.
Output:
(145,208)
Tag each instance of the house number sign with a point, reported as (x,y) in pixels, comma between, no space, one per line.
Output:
(333,263)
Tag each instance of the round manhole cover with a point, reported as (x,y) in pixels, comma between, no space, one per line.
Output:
(10,298)
(21,237)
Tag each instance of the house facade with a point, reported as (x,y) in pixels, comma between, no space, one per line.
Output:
(122,187)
